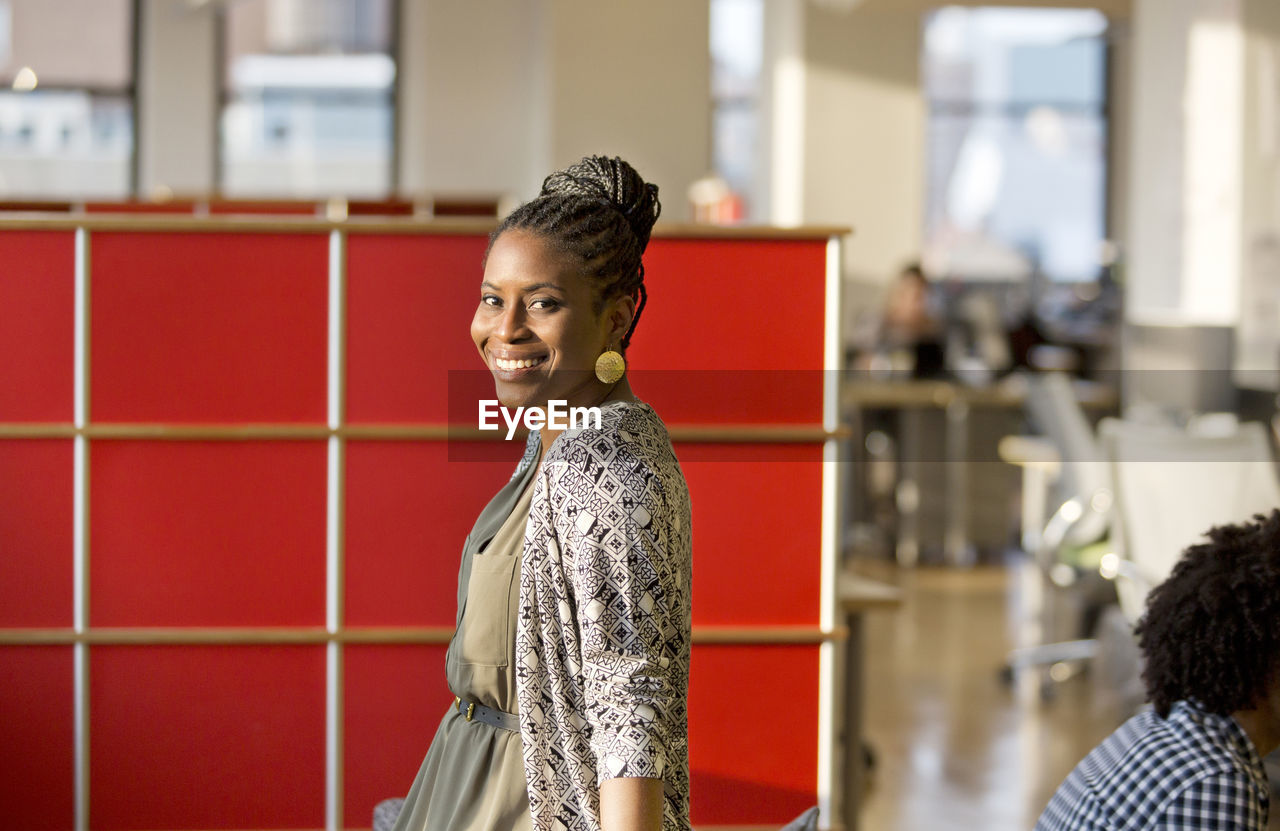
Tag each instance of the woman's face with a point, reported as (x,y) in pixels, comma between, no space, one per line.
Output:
(536,326)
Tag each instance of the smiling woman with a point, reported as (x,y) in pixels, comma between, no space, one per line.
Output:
(538,326)
(564,286)
(570,692)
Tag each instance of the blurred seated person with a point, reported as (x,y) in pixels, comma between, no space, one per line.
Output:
(977,346)
(912,322)
(1211,641)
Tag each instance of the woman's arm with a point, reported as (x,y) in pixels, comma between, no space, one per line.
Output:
(631,804)
(625,548)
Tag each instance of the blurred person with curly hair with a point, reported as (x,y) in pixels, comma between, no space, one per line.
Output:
(1211,642)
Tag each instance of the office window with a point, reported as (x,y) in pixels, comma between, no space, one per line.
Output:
(737,49)
(308,98)
(66,98)
(1017,143)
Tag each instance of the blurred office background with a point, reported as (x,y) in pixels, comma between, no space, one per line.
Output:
(1047,152)
(1090,191)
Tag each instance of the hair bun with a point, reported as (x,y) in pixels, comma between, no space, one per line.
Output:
(614,182)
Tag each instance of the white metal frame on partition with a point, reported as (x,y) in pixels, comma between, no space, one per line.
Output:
(335,583)
(80,532)
(830,720)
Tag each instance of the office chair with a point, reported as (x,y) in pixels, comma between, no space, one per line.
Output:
(1067,471)
(1172,486)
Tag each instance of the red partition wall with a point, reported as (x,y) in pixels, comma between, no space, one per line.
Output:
(209,327)
(410,300)
(239,480)
(37,737)
(37,343)
(207,737)
(37,325)
(733,331)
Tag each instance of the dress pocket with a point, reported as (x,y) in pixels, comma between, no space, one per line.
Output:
(486,620)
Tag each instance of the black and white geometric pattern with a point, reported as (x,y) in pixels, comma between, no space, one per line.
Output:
(1193,770)
(602,645)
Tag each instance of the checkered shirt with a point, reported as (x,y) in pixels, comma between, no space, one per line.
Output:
(1192,770)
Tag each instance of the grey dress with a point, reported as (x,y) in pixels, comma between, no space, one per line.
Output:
(472,778)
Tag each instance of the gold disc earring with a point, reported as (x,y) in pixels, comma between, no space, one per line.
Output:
(609,367)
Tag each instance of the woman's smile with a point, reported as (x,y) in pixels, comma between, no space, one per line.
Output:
(518,363)
(510,365)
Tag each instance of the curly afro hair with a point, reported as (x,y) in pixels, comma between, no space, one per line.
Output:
(1212,630)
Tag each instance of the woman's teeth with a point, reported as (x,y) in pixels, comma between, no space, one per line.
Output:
(523,364)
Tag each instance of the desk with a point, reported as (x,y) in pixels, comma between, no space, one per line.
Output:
(856,596)
(956,401)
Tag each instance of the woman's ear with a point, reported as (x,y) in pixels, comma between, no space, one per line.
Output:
(620,312)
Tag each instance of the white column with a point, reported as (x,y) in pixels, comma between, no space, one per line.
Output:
(472,100)
(1258,334)
(864,153)
(495,95)
(177,97)
(1186,168)
(633,80)
(782,112)
(843,119)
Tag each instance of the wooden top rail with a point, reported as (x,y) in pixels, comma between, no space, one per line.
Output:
(304,635)
(694,433)
(434,204)
(367,225)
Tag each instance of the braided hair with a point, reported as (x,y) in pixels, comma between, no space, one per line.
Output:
(598,212)
(1212,630)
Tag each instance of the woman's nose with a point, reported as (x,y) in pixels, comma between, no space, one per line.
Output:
(511,324)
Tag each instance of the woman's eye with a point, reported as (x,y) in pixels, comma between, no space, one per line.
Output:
(490,300)
(543,303)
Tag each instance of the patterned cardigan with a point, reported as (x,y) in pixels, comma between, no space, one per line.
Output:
(602,642)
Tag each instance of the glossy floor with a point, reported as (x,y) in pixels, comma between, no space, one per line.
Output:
(956,748)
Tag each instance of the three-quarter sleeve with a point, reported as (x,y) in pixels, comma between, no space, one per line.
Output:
(603,638)
(617,530)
